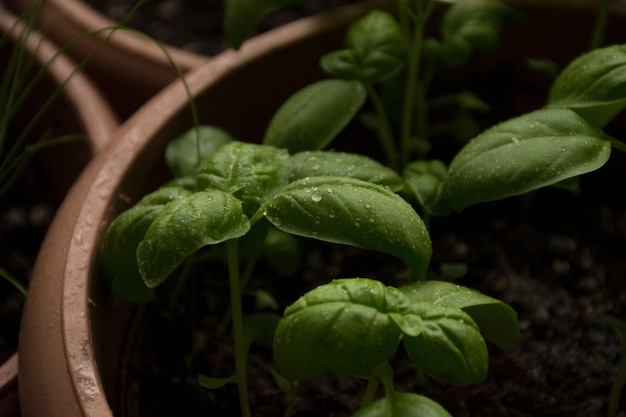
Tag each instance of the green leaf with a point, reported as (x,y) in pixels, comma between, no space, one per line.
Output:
(282,252)
(594,85)
(478,22)
(260,328)
(250,172)
(122,239)
(521,155)
(497,320)
(183,227)
(450,346)
(215,383)
(376,46)
(423,179)
(329,163)
(242,17)
(400,404)
(341,328)
(354,212)
(312,117)
(182,153)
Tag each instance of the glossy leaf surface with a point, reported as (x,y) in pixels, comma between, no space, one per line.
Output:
(521,155)
(312,117)
(248,171)
(497,320)
(400,404)
(123,237)
(341,328)
(327,163)
(354,212)
(450,346)
(183,227)
(594,85)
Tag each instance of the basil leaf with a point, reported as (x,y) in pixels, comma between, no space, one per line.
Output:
(594,85)
(449,347)
(242,17)
(354,212)
(250,172)
(183,227)
(215,383)
(478,22)
(521,155)
(401,404)
(341,328)
(312,117)
(181,154)
(424,178)
(375,44)
(122,238)
(496,320)
(328,163)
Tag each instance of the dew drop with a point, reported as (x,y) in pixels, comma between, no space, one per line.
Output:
(316,196)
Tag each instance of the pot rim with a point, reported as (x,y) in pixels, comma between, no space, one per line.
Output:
(86,101)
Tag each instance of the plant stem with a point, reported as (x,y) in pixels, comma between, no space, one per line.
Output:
(238,336)
(291,401)
(370,390)
(12,280)
(618,385)
(385,133)
(412,83)
(618,145)
(599,28)
(619,327)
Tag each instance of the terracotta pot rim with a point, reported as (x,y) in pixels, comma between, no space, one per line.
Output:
(78,87)
(86,19)
(92,111)
(8,374)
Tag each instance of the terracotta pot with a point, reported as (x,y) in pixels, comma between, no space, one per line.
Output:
(73,329)
(129,69)
(80,109)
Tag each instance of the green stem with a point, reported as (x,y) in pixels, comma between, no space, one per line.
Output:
(618,385)
(245,279)
(600,25)
(385,133)
(13,281)
(619,145)
(238,335)
(291,402)
(412,82)
(370,390)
